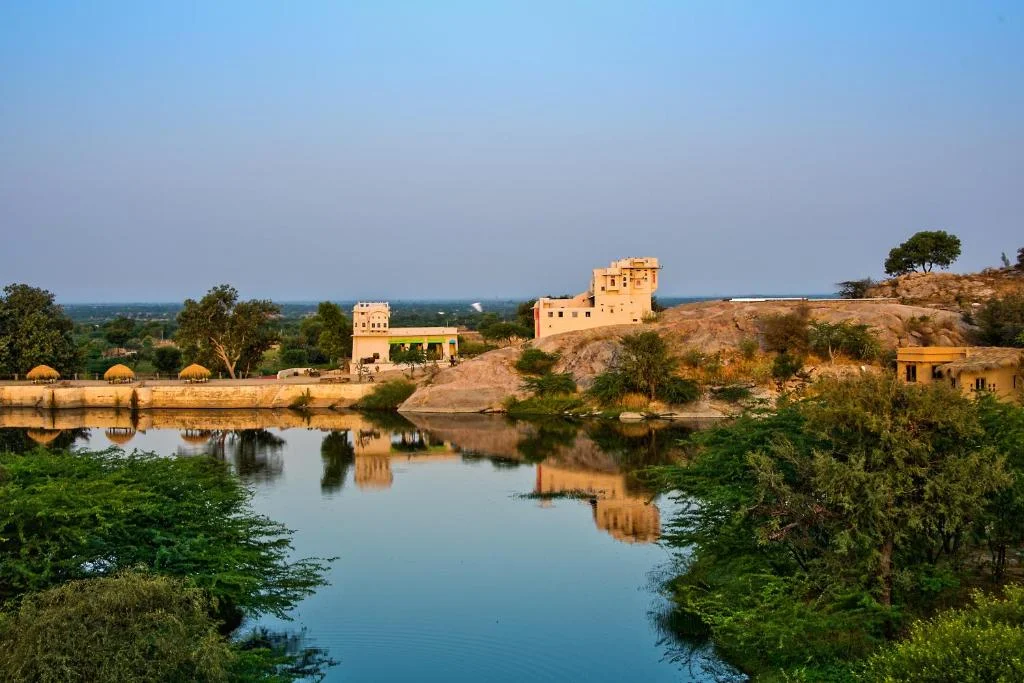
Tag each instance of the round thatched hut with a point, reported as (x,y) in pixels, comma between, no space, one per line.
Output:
(119,374)
(43,374)
(194,373)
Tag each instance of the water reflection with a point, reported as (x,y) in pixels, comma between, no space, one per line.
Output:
(589,462)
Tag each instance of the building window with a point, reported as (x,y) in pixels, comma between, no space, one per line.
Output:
(575,314)
(936,372)
(979,384)
(560,314)
(587,314)
(911,373)
(550,314)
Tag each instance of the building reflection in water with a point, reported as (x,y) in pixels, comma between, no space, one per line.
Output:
(590,462)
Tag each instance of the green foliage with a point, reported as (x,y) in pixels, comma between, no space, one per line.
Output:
(34,330)
(923,251)
(644,365)
(1001,321)
(983,643)
(657,306)
(119,331)
(551,384)
(501,331)
(167,359)
(524,316)
(693,358)
(333,331)
(813,532)
(67,516)
(734,393)
(387,396)
(785,366)
(855,289)
(220,330)
(854,340)
(410,357)
(294,358)
(535,362)
(788,332)
(749,348)
(1020,259)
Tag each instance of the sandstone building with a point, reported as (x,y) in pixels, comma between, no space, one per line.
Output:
(373,338)
(972,369)
(619,295)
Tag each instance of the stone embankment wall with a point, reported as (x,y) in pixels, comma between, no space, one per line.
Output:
(189,396)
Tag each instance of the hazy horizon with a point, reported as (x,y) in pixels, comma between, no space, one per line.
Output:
(149,151)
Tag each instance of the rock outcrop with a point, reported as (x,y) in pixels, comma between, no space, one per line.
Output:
(474,386)
(951,291)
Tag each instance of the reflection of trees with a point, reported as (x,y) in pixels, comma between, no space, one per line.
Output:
(387,421)
(254,453)
(544,438)
(410,442)
(637,446)
(338,455)
(298,659)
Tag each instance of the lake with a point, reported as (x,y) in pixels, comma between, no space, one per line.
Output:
(468,548)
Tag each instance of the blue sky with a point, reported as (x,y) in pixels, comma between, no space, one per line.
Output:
(475,149)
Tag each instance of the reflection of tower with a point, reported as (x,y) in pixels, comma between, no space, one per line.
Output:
(625,517)
(373,472)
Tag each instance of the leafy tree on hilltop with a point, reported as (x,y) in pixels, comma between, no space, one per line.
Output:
(34,330)
(923,251)
(855,289)
(220,329)
(1001,321)
(1020,259)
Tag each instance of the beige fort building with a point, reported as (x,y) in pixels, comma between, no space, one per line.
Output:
(619,295)
(373,338)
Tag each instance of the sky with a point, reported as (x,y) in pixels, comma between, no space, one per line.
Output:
(375,150)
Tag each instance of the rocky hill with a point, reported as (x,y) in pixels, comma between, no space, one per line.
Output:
(483,383)
(951,291)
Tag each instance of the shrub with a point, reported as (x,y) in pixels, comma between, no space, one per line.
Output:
(1001,321)
(855,289)
(387,396)
(167,359)
(294,358)
(608,387)
(535,362)
(1020,259)
(693,358)
(749,347)
(129,627)
(785,366)
(551,384)
(854,340)
(734,393)
(982,643)
(677,390)
(787,333)
(633,401)
(544,405)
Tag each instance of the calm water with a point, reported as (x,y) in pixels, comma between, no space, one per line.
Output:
(460,555)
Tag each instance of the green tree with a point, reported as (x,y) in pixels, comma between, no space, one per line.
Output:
(410,357)
(335,339)
(504,331)
(1001,321)
(923,251)
(524,316)
(646,360)
(184,517)
(855,340)
(551,384)
(855,289)
(167,359)
(34,330)
(119,331)
(1020,259)
(788,332)
(221,330)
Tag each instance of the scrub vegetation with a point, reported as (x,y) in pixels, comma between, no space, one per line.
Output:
(815,535)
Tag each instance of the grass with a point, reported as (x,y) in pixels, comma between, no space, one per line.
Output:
(387,396)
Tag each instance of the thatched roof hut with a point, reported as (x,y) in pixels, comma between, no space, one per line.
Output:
(43,373)
(119,373)
(43,436)
(119,435)
(982,358)
(194,372)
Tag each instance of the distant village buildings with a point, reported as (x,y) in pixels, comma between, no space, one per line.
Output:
(373,338)
(972,369)
(619,295)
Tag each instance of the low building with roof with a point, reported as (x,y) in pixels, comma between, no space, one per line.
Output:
(618,295)
(972,369)
(374,340)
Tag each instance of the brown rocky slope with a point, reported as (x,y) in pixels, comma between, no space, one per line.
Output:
(951,291)
(483,383)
